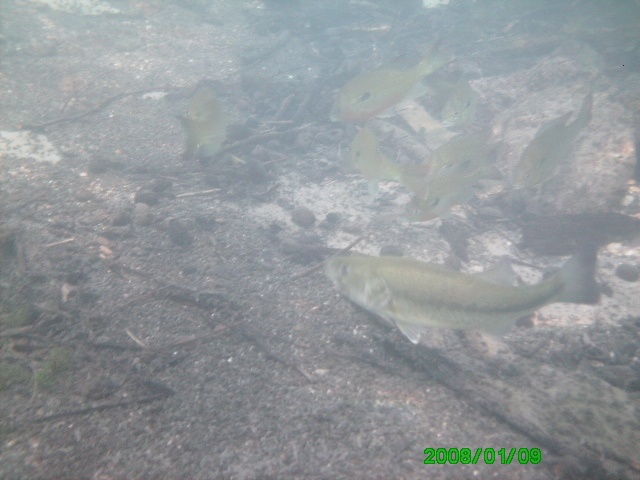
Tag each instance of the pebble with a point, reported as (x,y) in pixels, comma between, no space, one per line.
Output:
(121,219)
(303,216)
(628,272)
(147,196)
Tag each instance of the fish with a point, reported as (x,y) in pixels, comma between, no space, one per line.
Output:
(457,171)
(366,158)
(371,93)
(205,124)
(415,296)
(459,110)
(551,145)
(444,194)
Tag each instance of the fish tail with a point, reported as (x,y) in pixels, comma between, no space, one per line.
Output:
(579,285)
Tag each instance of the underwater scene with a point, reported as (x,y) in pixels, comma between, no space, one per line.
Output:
(337,239)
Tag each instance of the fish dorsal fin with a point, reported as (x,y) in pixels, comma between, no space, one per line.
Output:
(377,294)
(500,273)
(410,330)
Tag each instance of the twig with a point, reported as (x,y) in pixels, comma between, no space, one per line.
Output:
(103,105)
(99,408)
(273,356)
(260,137)
(61,242)
(318,266)
(135,339)
(195,194)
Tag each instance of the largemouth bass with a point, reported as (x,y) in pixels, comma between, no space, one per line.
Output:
(414,295)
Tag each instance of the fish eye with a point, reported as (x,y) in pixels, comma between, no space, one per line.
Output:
(468,104)
(365,96)
(435,202)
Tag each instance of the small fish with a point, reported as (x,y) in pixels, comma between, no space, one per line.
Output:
(371,93)
(365,157)
(458,168)
(551,146)
(445,193)
(415,296)
(459,110)
(205,124)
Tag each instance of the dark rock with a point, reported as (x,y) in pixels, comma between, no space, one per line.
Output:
(121,219)
(628,272)
(333,218)
(148,197)
(303,216)
(160,185)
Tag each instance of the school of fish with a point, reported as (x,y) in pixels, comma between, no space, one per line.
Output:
(415,296)
(412,295)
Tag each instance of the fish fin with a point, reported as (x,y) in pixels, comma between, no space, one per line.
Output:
(500,273)
(412,331)
(584,115)
(579,285)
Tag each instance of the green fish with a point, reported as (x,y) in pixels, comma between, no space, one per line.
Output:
(205,124)
(551,146)
(415,296)
(457,170)
(371,93)
(366,158)
(459,110)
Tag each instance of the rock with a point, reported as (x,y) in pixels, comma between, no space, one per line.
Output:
(303,216)
(160,185)
(122,218)
(628,272)
(147,196)
(333,218)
